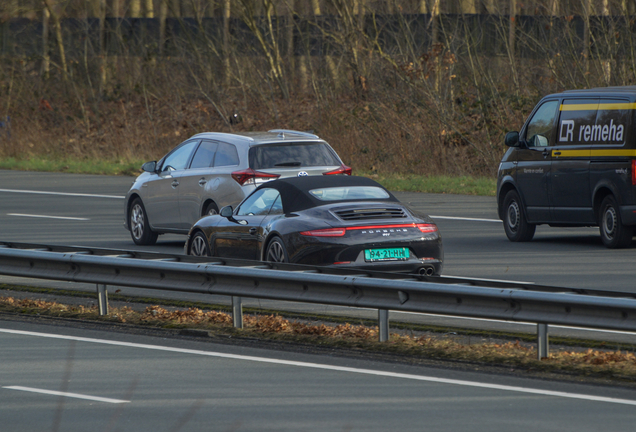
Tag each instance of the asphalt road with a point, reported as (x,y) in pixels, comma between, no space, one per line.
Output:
(72,379)
(474,241)
(87,210)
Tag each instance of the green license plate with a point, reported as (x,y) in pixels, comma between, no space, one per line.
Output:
(386,254)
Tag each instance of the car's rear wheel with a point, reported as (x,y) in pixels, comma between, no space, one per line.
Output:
(276,251)
(139,226)
(613,233)
(515,224)
(211,209)
(199,245)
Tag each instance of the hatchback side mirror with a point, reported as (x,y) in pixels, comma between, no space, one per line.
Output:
(150,166)
(227,212)
(512,139)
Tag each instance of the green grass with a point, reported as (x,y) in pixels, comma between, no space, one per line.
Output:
(76,166)
(483,186)
(395,182)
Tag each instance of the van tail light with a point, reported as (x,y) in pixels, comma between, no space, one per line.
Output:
(633,172)
(427,228)
(342,170)
(329,232)
(249,176)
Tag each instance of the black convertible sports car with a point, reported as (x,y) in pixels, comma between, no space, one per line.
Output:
(322,220)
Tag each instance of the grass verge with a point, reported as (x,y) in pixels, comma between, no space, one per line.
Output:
(411,347)
(75,166)
(396,182)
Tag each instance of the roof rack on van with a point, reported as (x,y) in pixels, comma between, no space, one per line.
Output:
(281,133)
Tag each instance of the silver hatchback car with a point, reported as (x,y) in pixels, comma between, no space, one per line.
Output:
(211,170)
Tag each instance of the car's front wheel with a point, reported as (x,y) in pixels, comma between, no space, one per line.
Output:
(139,226)
(515,224)
(199,245)
(613,233)
(276,251)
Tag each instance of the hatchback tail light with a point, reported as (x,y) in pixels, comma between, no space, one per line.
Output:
(633,172)
(342,170)
(329,232)
(249,176)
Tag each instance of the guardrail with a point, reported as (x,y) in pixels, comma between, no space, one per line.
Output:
(381,291)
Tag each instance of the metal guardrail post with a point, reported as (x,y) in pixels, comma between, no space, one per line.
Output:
(102,299)
(542,341)
(237,312)
(383,324)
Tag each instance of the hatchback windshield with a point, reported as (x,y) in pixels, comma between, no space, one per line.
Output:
(292,155)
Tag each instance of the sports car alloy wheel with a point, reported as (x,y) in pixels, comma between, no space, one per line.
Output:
(276,251)
(199,245)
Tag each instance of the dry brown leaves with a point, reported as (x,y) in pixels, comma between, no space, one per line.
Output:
(512,353)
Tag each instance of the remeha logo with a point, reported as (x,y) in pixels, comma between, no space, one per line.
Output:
(594,133)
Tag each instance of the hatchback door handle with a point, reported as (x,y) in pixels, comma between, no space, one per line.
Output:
(202,182)
(546,153)
(557,153)
(175,184)
(252,230)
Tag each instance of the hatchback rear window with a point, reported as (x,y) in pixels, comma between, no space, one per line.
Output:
(292,155)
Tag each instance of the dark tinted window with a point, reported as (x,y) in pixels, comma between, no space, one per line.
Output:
(204,156)
(178,159)
(577,116)
(540,128)
(226,155)
(612,121)
(594,121)
(292,155)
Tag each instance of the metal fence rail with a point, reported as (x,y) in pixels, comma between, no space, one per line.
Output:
(590,309)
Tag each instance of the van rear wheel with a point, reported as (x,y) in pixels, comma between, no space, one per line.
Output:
(613,233)
(515,224)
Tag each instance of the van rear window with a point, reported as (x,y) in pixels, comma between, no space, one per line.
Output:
(292,155)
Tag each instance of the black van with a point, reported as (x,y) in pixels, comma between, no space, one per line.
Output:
(572,164)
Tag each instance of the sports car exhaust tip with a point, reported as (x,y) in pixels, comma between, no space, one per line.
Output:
(426,271)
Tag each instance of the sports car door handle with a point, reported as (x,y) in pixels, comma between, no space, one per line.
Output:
(202,182)
(252,231)
(175,184)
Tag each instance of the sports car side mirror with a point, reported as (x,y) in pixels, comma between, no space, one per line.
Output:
(512,139)
(227,212)
(150,166)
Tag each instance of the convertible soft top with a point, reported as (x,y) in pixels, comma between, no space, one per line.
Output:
(294,191)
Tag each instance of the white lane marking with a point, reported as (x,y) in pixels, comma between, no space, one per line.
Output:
(48,217)
(71,395)
(490,280)
(465,218)
(61,193)
(330,367)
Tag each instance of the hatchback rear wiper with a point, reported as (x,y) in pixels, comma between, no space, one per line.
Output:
(289,164)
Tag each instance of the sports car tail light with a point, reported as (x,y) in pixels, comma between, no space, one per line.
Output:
(427,228)
(633,172)
(372,227)
(249,176)
(329,232)
(342,170)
